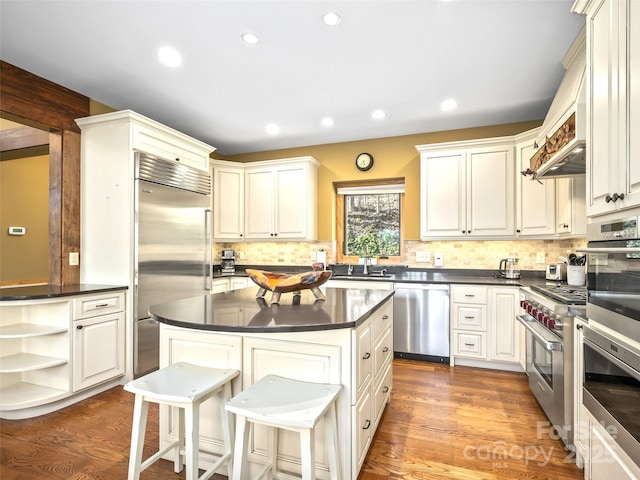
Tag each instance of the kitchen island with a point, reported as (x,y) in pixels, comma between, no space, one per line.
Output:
(345,339)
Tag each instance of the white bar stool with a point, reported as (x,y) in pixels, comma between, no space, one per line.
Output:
(283,403)
(186,387)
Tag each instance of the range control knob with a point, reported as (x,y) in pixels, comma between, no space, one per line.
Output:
(551,324)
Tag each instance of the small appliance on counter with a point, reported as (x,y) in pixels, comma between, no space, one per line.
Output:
(508,268)
(556,272)
(228,262)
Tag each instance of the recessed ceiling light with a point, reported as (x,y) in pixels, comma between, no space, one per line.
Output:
(250,38)
(169,56)
(378,114)
(272,129)
(327,122)
(331,18)
(448,105)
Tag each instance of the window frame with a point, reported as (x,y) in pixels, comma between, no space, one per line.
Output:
(340,217)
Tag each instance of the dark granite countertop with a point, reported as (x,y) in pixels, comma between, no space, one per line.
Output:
(402,274)
(240,310)
(35,292)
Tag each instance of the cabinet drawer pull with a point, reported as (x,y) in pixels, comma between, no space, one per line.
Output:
(367,424)
(385,317)
(102,305)
(385,349)
(366,356)
(385,389)
(469,294)
(79,327)
(468,317)
(469,344)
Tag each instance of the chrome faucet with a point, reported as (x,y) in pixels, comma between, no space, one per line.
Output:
(349,269)
(365,269)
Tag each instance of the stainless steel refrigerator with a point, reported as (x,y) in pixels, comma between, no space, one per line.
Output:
(172,247)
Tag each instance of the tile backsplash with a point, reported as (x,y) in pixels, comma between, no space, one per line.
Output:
(474,254)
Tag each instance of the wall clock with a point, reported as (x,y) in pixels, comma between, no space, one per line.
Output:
(364,162)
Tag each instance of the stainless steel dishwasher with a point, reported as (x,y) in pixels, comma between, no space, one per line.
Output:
(421,321)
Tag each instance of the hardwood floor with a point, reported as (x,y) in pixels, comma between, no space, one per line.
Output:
(442,423)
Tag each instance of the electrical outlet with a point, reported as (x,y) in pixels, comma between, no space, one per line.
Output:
(74,258)
(313,255)
(438,260)
(541,257)
(423,257)
(240,255)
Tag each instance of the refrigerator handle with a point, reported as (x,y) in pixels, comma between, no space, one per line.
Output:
(208,257)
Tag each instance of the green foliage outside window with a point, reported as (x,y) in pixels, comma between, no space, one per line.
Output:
(373,221)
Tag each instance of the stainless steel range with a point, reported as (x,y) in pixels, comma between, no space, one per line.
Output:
(548,312)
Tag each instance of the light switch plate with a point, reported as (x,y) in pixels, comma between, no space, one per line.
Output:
(423,257)
(74,258)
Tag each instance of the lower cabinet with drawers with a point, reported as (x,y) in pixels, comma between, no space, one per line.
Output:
(484,331)
(55,351)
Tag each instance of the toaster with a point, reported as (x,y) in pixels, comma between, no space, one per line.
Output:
(556,271)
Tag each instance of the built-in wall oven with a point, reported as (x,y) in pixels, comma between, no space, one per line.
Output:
(611,383)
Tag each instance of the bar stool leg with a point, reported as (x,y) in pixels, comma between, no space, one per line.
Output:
(140,411)
(308,454)
(331,440)
(241,446)
(178,463)
(273,437)
(192,431)
(227,426)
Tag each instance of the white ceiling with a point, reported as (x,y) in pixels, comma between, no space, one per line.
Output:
(500,60)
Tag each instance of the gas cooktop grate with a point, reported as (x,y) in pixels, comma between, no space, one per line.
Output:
(565,294)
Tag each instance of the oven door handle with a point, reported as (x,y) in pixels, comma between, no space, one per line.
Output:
(548,344)
(609,250)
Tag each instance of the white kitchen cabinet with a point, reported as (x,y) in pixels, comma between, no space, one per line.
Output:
(219,285)
(227,284)
(580,421)
(535,200)
(613,94)
(281,199)
(43,353)
(228,201)
(35,367)
(484,330)
(607,460)
(98,350)
(571,217)
(467,189)
(98,339)
(504,334)
(236,283)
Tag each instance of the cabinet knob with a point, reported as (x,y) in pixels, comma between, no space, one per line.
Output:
(177,159)
(385,349)
(79,327)
(366,356)
(617,197)
(367,424)
(579,327)
(385,317)
(518,231)
(565,225)
(385,389)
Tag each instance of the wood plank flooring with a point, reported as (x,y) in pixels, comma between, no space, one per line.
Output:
(442,423)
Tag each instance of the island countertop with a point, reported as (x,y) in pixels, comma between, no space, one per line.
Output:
(241,311)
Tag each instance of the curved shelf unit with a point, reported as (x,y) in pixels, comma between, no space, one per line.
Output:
(25,330)
(26,362)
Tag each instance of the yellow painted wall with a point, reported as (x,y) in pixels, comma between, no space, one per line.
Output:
(24,202)
(394,157)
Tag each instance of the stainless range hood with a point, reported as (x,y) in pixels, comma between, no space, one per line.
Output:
(562,144)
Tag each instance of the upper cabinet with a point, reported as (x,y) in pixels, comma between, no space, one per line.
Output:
(228,201)
(467,189)
(613,87)
(536,200)
(268,200)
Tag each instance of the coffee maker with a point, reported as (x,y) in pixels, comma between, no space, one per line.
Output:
(228,262)
(508,268)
